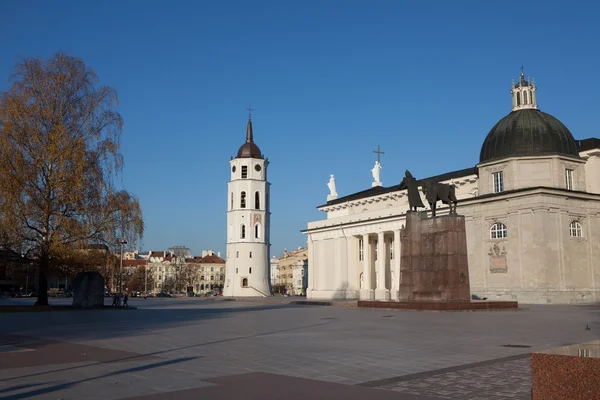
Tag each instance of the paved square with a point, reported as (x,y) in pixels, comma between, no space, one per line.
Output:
(239,349)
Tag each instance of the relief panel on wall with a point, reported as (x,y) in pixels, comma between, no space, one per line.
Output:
(497,259)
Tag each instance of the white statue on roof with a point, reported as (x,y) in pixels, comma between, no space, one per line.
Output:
(376,171)
(332,192)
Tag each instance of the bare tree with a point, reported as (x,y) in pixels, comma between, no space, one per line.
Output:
(137,281)
(59,155)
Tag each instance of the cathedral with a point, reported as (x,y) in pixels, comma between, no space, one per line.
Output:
(532,214)
(248,222)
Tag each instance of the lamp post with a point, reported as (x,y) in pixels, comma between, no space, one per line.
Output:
(122,242)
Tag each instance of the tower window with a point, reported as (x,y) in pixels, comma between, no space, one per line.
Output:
(237,254)
(575,229)
(518,100)
(525,97)
(244,172)
(257,200)
(243,200)
(236,270)
(250,270)
(361,252)
(498,231)
(231,208)
(250,255)
(245,282)
(498,181)
(256,231)
(569,179)
(243,232)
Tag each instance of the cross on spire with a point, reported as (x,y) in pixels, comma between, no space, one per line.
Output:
(250,109)
(379,153)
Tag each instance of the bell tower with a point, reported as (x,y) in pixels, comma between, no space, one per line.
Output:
(248,222)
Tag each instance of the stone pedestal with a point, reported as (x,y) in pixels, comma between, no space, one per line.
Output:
(382,294)
(434,264)
(566,373)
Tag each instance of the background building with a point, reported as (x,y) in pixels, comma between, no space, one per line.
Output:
(291,274)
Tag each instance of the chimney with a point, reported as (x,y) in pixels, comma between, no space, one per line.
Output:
(203,253)
(210,252)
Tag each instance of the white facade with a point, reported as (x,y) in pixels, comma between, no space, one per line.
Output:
(533,230)
(248,223)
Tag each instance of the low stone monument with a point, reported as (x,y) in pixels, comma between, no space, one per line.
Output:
(88,290)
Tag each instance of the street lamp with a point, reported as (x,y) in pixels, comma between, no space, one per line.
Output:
(122,242)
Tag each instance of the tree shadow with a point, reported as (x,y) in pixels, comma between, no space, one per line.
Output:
(216,313)
(68,385)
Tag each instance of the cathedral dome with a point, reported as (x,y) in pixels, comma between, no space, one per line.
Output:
(249,149)
(528,132)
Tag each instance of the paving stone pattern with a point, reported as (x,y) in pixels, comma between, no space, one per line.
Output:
(174,345)
(502,380)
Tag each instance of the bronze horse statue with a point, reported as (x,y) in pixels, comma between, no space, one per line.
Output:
(435,191)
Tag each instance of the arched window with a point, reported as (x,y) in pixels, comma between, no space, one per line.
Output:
(575,229)
(257,200)
(498,231)
(243,232)
(243,200)
(518,98)
(525,97)
(257,231)
(245,282)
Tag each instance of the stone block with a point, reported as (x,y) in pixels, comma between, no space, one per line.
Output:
(434,259)
(88,290)
(569,372)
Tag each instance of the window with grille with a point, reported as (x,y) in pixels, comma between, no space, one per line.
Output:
(575,229)
(243,200)
(498,181)
(569,179)
(244,172)
(361,253)
(498,231)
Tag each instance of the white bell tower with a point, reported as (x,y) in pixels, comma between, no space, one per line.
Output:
(248,223)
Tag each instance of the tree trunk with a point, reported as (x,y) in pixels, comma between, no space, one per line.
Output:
(42,299)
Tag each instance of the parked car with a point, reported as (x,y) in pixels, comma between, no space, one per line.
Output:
(163,294)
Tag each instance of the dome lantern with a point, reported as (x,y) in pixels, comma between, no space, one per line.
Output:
(523,94)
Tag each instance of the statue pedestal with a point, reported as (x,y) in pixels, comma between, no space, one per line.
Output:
(434,261)
(382,294)
(375,184)
(330,197)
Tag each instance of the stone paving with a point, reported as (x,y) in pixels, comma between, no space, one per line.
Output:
(187,345)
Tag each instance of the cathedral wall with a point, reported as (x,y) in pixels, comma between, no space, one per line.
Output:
(592,174)
(538,261)
(529,172)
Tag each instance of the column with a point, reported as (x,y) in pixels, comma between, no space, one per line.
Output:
(366,292)
(310,270)
(395,289)
(381,293)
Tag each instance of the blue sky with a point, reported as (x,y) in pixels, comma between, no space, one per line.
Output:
(329,81)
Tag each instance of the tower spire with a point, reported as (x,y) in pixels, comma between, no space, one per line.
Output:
(249,134)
